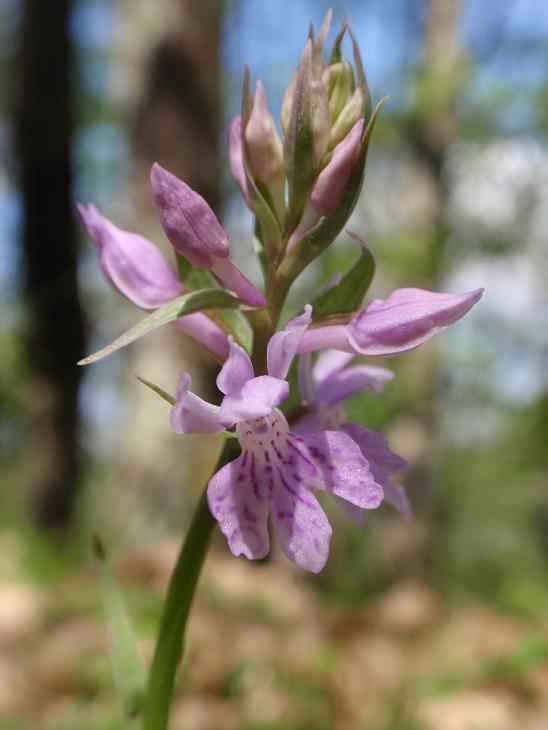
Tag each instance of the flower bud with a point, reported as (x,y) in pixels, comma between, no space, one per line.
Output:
(331,183)
(339,79)
(352,111)
(320,118)
(235,157)
(190,224)
(193,229)
(263,141)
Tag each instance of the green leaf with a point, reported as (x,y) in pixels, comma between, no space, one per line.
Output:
(196,301)
(360,73)
(299,153)
(156,388)
(336,54)
(325,232)
(128,667)
(347,295)
(233,322)
(195,277)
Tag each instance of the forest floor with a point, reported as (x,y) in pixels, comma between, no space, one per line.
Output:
(266,651)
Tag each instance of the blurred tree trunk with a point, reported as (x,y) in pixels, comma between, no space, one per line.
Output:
(170,56)
(55,332)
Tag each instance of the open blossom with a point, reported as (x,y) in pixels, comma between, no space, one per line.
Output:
(387,327)
(136,269)
(324,387)
(194,231)
(278,471)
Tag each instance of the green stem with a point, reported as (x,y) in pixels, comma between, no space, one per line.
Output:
(180,593)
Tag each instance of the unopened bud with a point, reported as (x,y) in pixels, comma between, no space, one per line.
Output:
(351,113)
(320,118)
(263,141)
(329,188)
(339,79)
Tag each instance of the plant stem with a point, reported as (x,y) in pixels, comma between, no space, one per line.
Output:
(180,593)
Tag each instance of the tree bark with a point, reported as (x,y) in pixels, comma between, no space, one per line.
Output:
(54,335)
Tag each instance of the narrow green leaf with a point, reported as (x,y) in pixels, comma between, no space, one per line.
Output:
(347,295)
(128,667)
(156,388)
(195,277)
(324,233)
(299,154)
(360,73)
(196,301)
(233,322)
(336,53)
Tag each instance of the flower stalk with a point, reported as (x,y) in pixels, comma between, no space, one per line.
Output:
(179,597)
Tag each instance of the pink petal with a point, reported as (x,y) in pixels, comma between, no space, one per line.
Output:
(300,525)
(191,414)
(204,331)
(190,224)
(329,337)
(345,472)
(376,450)
(235,157)
(255,400)
(130,263)
(396,496)
(406,319)
(340,386)
(330,363)
(238,500)
(235,280)
(236,370)
(307,386)
(356,514)
(283,345)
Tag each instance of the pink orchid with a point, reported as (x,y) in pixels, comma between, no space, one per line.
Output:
(387,327)
(278,470)
(324,387)
(194,231)
(135,268)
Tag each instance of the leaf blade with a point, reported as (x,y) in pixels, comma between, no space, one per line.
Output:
(196,301)
(128,667)
(347,295)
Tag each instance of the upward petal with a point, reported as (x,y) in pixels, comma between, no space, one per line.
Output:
(191,414)
(283,345)
(256,399)
(406,319)
(236,371)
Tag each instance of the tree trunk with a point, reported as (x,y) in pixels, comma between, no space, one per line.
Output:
(55,331)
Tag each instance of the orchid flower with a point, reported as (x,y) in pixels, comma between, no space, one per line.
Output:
(324,387)
(135,268)
(387,327)
(278,470)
